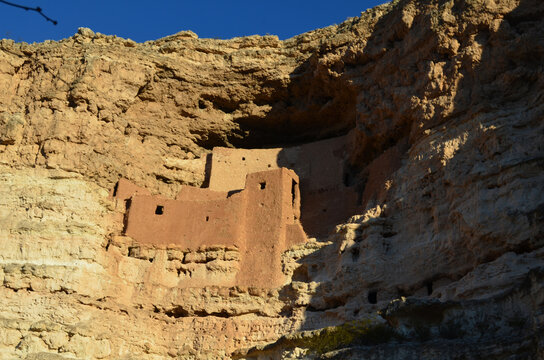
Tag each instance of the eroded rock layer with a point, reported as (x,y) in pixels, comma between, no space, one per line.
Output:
(441,257)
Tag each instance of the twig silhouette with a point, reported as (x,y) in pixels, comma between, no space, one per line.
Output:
(36,9)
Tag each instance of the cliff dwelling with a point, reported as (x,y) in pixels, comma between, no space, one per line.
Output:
(255,202)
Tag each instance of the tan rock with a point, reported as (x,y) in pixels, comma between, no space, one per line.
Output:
(11,127)
(434,204)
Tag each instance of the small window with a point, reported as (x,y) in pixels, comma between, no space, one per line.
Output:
(159,210)
(207,218)
(262,185)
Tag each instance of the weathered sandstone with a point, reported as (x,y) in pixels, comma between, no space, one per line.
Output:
(417,126)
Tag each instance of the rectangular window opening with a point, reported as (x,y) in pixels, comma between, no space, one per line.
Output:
(262,185)
(293,192)
(159,210)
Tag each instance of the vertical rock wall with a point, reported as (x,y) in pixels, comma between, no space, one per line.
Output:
(443,102)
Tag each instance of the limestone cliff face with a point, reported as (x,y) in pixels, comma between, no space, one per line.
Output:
(442,104)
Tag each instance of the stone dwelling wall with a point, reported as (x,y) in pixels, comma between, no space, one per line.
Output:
(272,208)
(261,221)
(326,200)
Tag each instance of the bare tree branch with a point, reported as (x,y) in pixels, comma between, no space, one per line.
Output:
(36,9)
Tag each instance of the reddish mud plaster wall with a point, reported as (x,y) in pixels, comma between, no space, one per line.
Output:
(326,201)
(262,221)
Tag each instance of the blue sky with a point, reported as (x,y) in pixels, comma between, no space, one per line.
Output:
(149,20)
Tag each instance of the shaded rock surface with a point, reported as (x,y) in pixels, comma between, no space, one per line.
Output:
(442,101)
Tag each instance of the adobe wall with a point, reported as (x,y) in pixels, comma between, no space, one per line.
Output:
(319,164)
(261,221)
(230,167)
(326,201)
(269,211)
(124,190)
(191,223)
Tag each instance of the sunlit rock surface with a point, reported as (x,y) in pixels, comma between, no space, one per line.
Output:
(442,106)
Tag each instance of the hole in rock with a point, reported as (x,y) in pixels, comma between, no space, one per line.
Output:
(263,185)
(389,234)
(159,210)
(286,311)
(132,251)
(207,218)
(429,286)
(243,159)
(346,179)
(373,297)
(301,274)
(71,103)
(115,189)
(201,104)
(221,314)
(177,312)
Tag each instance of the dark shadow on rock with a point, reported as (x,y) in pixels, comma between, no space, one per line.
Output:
(312,106)
(504,77)
(207,171)
(327,199)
